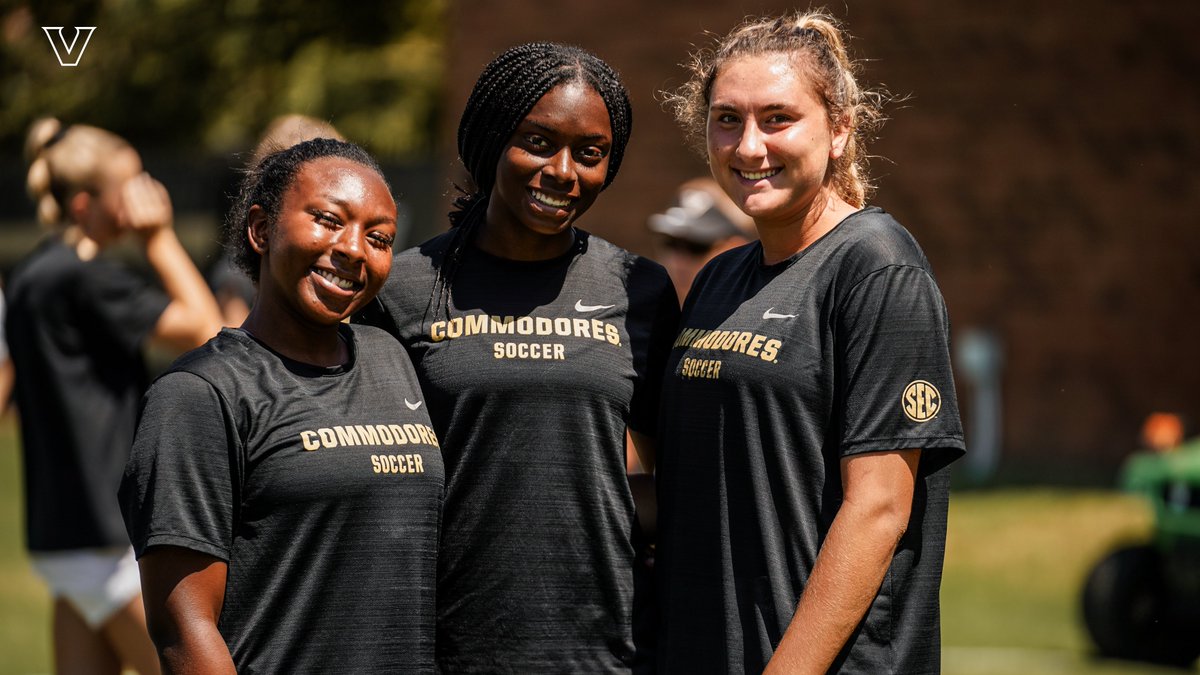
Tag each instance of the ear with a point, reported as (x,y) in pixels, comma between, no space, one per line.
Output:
(78,206)
(841,138)
(258,229)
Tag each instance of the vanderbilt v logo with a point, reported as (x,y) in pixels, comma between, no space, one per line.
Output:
(61,48)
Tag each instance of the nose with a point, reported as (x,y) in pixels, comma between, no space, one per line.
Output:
(350,242)
(750,143)
(561,166)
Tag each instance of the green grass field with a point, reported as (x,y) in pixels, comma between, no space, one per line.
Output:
(1015,562)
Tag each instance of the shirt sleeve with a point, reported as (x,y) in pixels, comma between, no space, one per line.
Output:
(120,304)
(897,389)
(180,486)
(654,351)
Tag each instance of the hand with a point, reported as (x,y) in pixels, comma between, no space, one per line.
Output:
(147,206)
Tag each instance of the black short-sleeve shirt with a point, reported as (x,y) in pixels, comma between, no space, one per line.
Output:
(75,330)
(532,377)
(778,373)
(321,488)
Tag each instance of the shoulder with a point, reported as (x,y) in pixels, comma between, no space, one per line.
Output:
(875,236)
(871,240)
(226,357)
(428,253)
(603,254)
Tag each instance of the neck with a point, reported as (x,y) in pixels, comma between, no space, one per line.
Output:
(317,345)
(785,238)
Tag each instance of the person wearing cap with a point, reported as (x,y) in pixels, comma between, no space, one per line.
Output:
(702,224)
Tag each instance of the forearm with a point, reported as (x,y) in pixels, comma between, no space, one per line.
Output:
(844,581)
(192,315)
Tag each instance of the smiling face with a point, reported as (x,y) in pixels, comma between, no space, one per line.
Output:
(551,170)
(330,248)
(770,143)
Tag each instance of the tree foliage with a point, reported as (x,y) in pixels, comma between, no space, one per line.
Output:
(210,74)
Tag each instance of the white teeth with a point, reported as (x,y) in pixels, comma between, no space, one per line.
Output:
(758,175)
(344,284)
(550,201)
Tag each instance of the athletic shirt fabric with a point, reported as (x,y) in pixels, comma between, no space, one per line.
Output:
(76,330)
(531,384)
(780,372)
(321,488)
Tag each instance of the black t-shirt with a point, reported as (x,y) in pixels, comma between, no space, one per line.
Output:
(531,383)
(76,331)
(320,487)
(778,373)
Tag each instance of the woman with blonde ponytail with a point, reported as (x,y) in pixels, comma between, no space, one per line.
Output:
(808,411)
(76,326)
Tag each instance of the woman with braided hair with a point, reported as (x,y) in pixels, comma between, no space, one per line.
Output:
(537,346)
(803,485)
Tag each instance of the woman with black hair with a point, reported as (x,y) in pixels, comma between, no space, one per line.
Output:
(537,346)
(285,487)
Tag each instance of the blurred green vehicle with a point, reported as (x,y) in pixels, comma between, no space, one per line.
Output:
(1142,601)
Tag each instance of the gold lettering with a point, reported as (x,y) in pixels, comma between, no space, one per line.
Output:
(614,336)
(543,326)
(502,325)
(581,327)
(410,431)
(398,434)
(327,438)
(743,339)
(756,345)
(562,327)
(771,350)
(310,443)
(347,436)
(525,325)
(437,331)
(375,464)
(420,466)
(385,435)
(475,324)
(367,434)
(454,328)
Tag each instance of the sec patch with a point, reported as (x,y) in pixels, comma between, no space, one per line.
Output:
(921,401)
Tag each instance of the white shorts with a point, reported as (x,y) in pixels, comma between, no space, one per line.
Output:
(97,581)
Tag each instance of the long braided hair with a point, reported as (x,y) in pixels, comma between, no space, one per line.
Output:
(505,92)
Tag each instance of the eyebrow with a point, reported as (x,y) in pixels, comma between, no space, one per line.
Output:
(347,205)
(552,130)
(729,107)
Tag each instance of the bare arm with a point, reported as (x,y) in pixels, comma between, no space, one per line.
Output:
(645,447)
(183,591)
(192,316)
(878,493)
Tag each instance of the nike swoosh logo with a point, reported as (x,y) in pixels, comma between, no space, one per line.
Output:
(412,406)
(770,314)
(580,307)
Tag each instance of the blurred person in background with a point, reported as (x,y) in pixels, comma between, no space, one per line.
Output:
(537,345)
(809,412)
(284,489)
(77,325)
(702,224)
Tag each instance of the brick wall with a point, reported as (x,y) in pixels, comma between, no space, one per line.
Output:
(1045,159)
